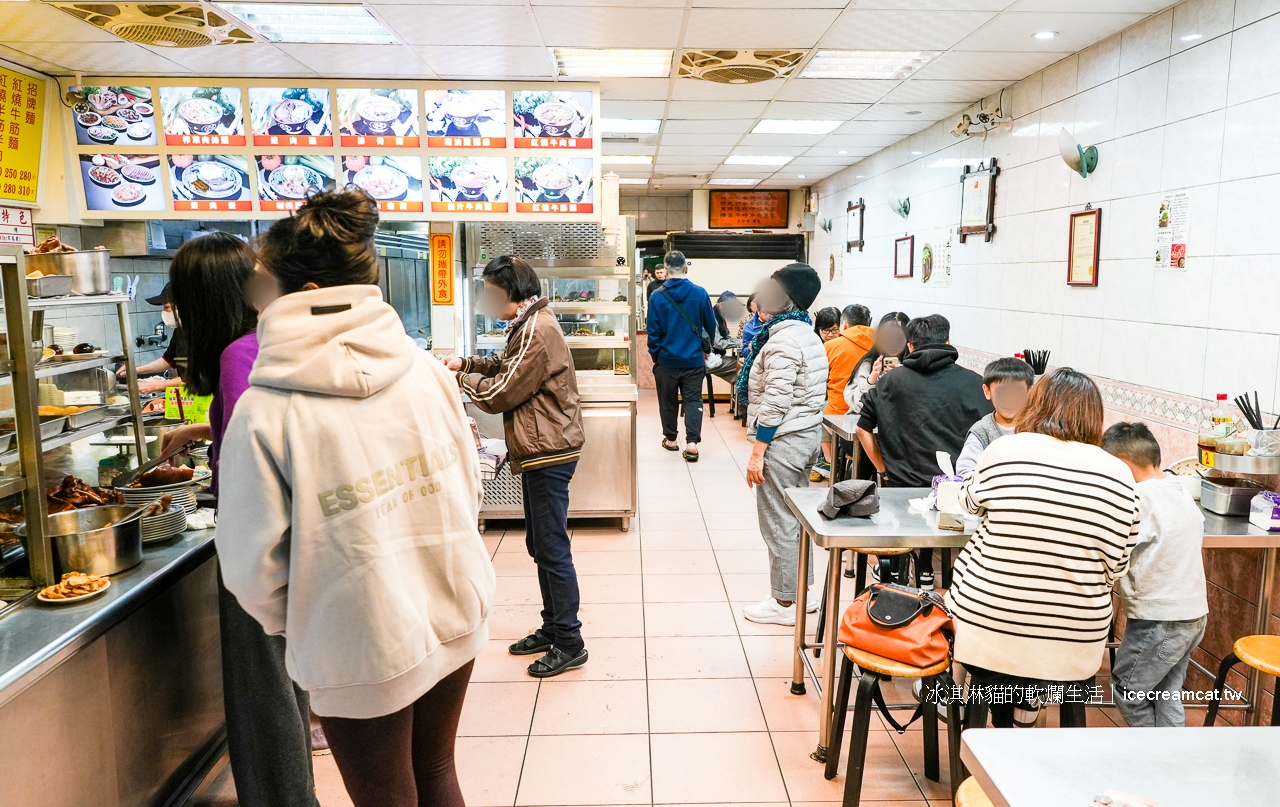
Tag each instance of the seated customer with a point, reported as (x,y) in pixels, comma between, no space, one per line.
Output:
(888,352)
(1164,597)
(844,352)
(1031,597)
(1006,383)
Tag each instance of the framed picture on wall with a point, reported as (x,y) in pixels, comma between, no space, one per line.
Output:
(903,256)
(1082,247)
(978,200)
(854,218)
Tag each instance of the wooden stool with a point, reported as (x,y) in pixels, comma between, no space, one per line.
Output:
(971,794)
(874,670)
(1262,653)
(883,555)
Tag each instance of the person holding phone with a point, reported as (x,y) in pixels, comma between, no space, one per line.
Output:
(887,353)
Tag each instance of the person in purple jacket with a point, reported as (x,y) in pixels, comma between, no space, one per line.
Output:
(268,717)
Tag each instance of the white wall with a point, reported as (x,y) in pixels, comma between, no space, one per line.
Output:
(738,276)
(1166,115)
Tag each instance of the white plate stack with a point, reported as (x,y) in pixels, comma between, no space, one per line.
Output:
(65,337)
(164,526)
(183,493)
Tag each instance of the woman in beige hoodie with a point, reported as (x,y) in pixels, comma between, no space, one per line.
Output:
(350,494)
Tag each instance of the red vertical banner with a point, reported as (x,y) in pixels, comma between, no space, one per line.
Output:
(442,269)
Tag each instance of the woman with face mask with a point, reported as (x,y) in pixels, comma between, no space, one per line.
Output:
(174,354)
(784,381)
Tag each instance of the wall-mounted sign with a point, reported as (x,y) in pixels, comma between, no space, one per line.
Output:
(855,216)
(394,181)
(16,226)
(1082,248)
(935,260)
(114,115)
(904,256)
(745,210)
(286,182)
(290,116)
(442,269)
(21,135)
(202,116)
(549,119)
(978,200)
(468,184)
(466,119)
(1172,224)
(553,185)
(380,118)
(209,182)
(119,182)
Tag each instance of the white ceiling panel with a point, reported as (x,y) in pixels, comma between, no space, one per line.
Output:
(609,3)
(254,59)
(440,2)
(756,27)
(939,5)
(122,57)
(699,151)
(476,62)
(595,27)
(928,112)
(717,126)
(375,61)
(460,25)
(34,22)
(917,90)
(627,148)
(976,66)
(632,109)
(836,90)
(903,30)
(1113,6)
(832,154)
(766,151)
(692,89)
(1076,31)
(770,3)
(32,62)
(880,127)
(634,89)
(732,171)
(710,139)
(856,141)
(812,110)
(780,140)
(714,110)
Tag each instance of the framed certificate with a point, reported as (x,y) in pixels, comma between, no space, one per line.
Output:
(854,217)
(1082,248)
(978,200)
(903,255)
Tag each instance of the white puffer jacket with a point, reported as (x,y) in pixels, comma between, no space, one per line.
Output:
(787,387)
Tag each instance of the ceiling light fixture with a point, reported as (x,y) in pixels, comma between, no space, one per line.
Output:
(319,23)
(799,176)
(732,181)
(612,62)
(809,127)
(626,159)
(633,180)
(630,125)
(1044,35)
(1190,37)
(912,112)
(868,64)
(917,153)
(747,159)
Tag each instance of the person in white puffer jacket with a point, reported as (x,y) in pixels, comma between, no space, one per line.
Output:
(785,384)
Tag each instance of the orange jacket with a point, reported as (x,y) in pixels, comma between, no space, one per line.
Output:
(843,354)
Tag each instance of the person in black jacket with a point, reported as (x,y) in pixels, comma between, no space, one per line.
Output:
(925,406)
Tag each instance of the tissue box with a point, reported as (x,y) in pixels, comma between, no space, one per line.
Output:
(1264,511)
(947,493)
(940,478)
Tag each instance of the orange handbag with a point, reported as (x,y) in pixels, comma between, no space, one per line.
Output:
(905,624)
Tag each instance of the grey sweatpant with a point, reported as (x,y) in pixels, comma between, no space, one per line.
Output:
(786,465)
(1151,665)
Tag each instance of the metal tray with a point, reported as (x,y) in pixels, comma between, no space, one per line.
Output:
(52,427)
(6,440)
(1228,496)
(87,418)
(49,286)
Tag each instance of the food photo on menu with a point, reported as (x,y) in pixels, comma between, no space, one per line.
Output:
(548,119)
(114,116)
(285,182)
(378,117)
(553,185)
(290,116)
(466,118)
(122,182)
(394,182)
(209,181)
(461,184)
(207,116)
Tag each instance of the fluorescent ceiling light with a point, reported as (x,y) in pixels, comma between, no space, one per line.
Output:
(633,180)
(746,159)
(917,153)
(630,125)
(320,23)
(732,181)
(868,64)
(810,127)
(612,62)
(912,112)
(1190,37)
(1044,35)
(842,151)
(800,176)
(627,159)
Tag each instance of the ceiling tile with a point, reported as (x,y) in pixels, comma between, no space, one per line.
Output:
(812,110)
(692,89)
(253,59)
(444,2)
(687,151)
(770,3)
(766,151)
(975,66)
(817,163)
(880,127)
(32,62)
(632,109)
(714,110)
(1110,6)
(595,27)
(731,171)
(607,3)
(710,139)
(916,90)
(928,112)
(938,5)
(123,57)
(856,141)
(756,28)
(836,90)
(858,29)
(374,61)
(626,148)
(457,25)
(714,126)
(832,154)
(634,89)
(36,22)
(483,62)
(1012,31)
(780,140)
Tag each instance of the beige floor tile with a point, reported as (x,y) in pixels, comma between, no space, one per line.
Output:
(769,656)
(512,544)
(586,770)
(502,709)
(671,504)
(591,707)
(738,767)
(696,657)
(736,520)
(593,563)
(610,660)
(491,541)
(689,619)
(886,776)
(518,591)
(715,506)
(786,712)
(684,588)
(609,541)
(514,564)
(489,769)
(512,622)
(661,520)
(734,540)
(743,561)
(662,561)
(704,705)
(747,587)
(675,540)
(748,628)
(606,588)
(911,747)
(612,620)
(495,664)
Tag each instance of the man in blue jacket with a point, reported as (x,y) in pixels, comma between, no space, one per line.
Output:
(680,319)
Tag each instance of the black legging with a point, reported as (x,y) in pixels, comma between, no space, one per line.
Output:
(404,759)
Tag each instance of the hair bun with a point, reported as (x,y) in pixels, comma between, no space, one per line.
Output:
(346,216)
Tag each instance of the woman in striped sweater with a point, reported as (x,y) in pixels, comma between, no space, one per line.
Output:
(1031,596)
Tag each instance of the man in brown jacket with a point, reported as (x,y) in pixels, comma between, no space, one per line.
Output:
(533,385)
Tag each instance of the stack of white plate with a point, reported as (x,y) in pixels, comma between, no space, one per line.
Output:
(66,337)
(183,493)
(164,526)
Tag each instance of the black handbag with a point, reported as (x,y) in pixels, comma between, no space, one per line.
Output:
(702,335)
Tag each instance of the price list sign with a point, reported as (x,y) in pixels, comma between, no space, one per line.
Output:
(748,209)
(22,125)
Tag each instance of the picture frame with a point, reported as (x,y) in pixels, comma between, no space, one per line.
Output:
(978,200)
(855,218)
(748,210)
(904,250)
(1083,243)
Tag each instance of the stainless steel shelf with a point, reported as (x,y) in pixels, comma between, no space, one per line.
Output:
(49,369)
(79,301)
(12,485)
(597,341)
(70,437)
(596,307)
(1237,464)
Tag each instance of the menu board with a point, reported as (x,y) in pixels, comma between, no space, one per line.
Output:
(466,119)
(378,117)
(286,182)
(118,182)
(551,119)
(394,182)
(553,184)
(202,116)
(290,116)
(209,182)
(748,209)
(114,116)
(22,119)
(468,184)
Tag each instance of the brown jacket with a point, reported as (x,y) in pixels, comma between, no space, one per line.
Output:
(533,385)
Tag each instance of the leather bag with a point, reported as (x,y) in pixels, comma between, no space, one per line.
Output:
(901,623)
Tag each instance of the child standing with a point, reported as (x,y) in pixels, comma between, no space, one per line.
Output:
(1164,598)
(1006,383)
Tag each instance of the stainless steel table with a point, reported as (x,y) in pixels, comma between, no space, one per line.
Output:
(842,428)
(1175,767)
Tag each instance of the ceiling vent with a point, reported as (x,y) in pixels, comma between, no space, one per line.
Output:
(738,66)
(630,140)
(162,25)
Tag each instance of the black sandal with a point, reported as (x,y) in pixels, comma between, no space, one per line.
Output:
(689,456)
(669,446)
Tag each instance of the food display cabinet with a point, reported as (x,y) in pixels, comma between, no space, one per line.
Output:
(588,272)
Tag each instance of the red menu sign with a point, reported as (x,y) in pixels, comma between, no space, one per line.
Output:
(212,205)
(748,209)
(442,269)
(554,207)
(468,207)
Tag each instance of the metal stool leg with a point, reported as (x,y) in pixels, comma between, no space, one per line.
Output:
(929,714)
(832,557)
(954,727)
(838,713)
(858,739)
(1220,686)
(711,396)
(861,582)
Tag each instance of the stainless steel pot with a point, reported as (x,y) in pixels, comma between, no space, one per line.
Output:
(90,269)
(82,544)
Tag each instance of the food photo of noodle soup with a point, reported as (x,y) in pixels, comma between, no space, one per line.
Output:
(210,116)
(394,182)
(378,117)
(474,183)
(285,182)
(466,118)
(554,184)
(290,116)
(550,119)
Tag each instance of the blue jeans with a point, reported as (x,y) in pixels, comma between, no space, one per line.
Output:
(546,525)
(1152,660)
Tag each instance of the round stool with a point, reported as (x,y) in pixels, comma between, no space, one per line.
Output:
(971,794)
(1262,653)
(884,560)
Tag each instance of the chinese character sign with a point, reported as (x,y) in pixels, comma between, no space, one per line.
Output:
(468,184)
(748,209)
(442,269)
(552,120)
(553,185)
(16,226)
(381,118)
(202,116)
(468,119)
(22,122)
(290,116)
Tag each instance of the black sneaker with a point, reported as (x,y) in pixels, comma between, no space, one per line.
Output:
(924,580)
(557,661)
(533,643)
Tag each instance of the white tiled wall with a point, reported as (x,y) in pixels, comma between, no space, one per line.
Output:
(1166,114)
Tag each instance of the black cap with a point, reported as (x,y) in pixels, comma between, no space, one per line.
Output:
(801,283)
(162,298)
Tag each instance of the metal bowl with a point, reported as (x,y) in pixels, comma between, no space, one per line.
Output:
(82,544)
(90,269)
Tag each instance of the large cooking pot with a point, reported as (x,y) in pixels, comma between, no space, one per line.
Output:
(82,544)
(90,269)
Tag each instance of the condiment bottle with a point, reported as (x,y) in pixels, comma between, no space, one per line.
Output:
(1224,422)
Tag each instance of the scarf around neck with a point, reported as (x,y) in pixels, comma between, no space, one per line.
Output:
(758,342)
(520,311)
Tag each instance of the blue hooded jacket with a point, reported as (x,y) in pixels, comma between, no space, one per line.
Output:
(672,343)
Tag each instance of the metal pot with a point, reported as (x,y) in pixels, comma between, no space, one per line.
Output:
(90,269)
(82,544)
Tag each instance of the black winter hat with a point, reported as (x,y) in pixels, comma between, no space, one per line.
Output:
(801,283)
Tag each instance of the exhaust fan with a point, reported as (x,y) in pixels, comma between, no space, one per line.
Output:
(162,25)
(738,66)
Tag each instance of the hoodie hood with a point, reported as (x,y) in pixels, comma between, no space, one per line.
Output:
(342,341)
(680,288)
(931,358)
(861,336)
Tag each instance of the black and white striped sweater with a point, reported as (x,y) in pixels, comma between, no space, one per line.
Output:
(1031,595)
